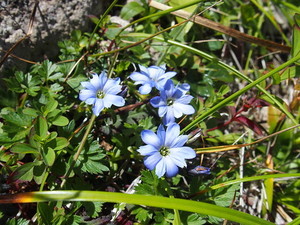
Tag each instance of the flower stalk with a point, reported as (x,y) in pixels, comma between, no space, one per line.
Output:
(79,150)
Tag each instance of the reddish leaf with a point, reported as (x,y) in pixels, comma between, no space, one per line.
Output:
(254,103)
(249,123)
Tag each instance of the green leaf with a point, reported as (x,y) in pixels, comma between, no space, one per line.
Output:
(30,112)
(58,143)
(130,10)
(142,214)
(48,156)
(46,213)
(91,159)
(41,127)
(61,121)
(17,118)
(23,148)
(215,45)
(296,36)
(47,68)
(153,201)
(219,73)
(191,9)
(92,208)
(74,82)
(24,172)
(15,221)
(50,106)
(39,171)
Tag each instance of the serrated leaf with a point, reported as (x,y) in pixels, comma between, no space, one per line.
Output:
(91,159)
(23,148)
(92,208)
(46,212)
(17,118)
(56,76)
(46,69)
(142,214)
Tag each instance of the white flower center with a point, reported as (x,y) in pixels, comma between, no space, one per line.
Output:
(170,101)
(100,94)
(164,151)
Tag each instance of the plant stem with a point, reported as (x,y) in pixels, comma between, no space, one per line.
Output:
(81,145)
(45,176)
(100,21)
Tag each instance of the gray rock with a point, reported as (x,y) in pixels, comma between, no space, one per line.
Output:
(54,21)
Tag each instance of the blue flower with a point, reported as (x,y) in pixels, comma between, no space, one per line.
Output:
(164,151)
(173,102)
(101,92)
(153,76)
(199,170)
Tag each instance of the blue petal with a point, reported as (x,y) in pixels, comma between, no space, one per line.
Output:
(157,101)
(113,100)
(99,81)
(113,90)
(150,138)
(155,72)
(145,89)
(144,70)
(88,85)
(177,159)
(186,99)
(147,150)
(184,152)
(186,109)
(169,116)
(177,111)
(184,87)
(171,167)
(162,110)
(179,141)
(152,160)
(168,75)
(160,168)
(161,134)
(91,101)
(169,88)
(172,132)
(86,94)
(139,78)
(98,107)
(112,86)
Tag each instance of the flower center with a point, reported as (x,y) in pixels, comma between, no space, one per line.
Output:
(164,151)
(170,101)
(100,94)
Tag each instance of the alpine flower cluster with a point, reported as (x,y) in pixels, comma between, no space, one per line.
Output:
(164,151)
